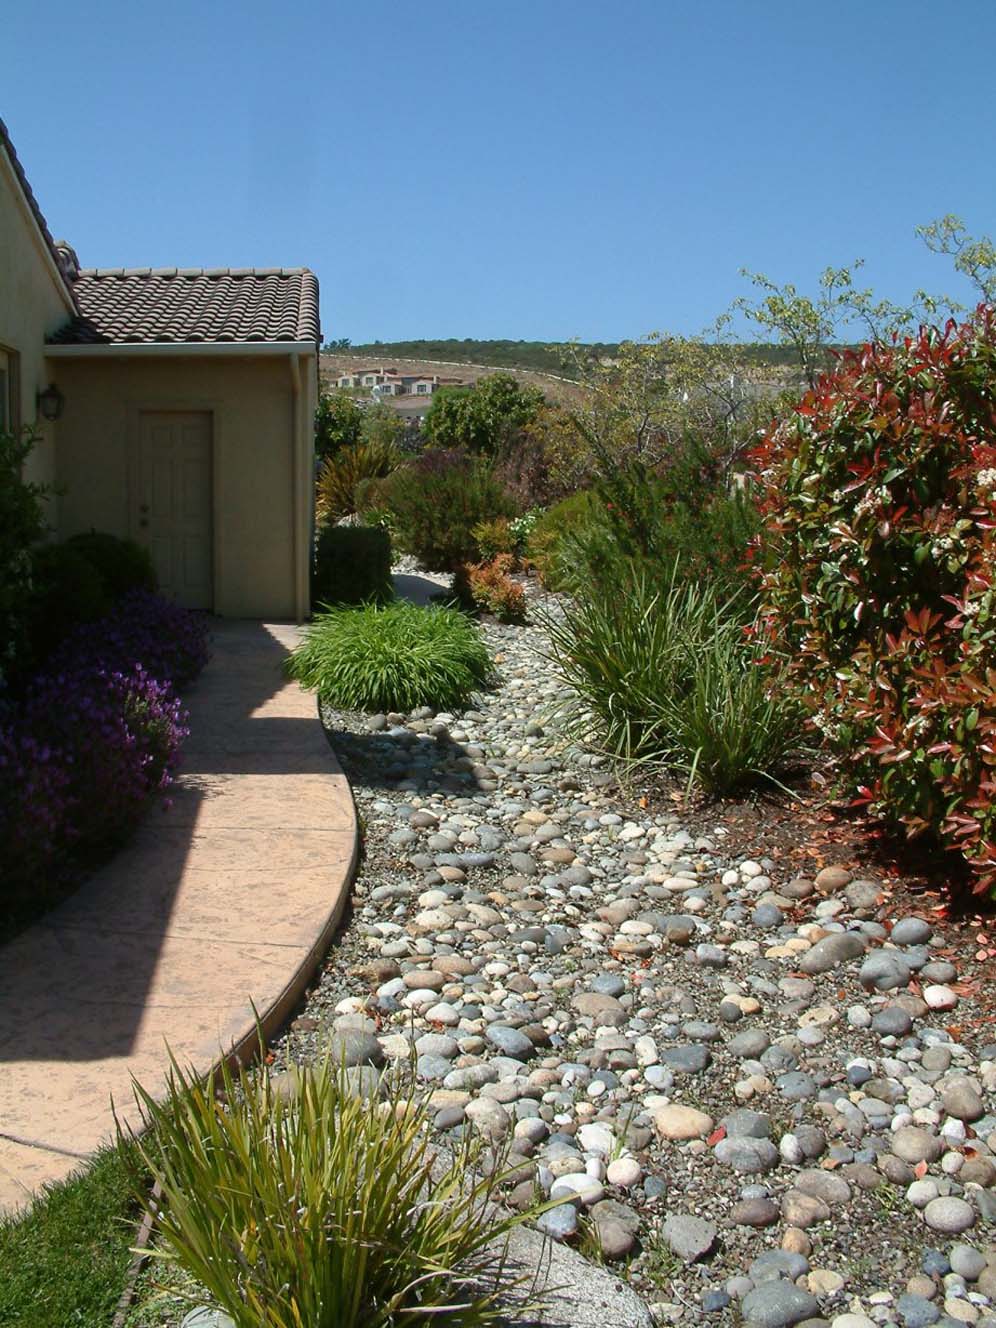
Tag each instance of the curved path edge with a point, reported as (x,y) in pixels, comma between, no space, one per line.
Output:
(216,910)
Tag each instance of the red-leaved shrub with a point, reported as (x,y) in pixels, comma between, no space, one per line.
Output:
(489,586)
(880,496)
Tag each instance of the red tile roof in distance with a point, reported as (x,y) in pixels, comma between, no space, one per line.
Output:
(193,305)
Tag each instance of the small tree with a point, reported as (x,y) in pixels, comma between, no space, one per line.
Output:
(641,407)
(484,418)
(338,421)
(974,259)
(813,325)
(380,425)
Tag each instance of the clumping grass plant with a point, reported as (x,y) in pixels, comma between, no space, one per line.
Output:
(395,656)
(316,1208)
(670,674)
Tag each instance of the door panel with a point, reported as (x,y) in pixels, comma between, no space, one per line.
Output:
(174,501)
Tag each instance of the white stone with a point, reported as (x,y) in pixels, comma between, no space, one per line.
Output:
(443,1013)
(624,1172)
(940,997)
(577,1185)
(596,1138)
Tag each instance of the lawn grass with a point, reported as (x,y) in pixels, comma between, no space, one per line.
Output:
(64,1262)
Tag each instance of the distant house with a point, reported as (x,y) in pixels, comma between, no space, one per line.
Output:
(385,382)
(174,406)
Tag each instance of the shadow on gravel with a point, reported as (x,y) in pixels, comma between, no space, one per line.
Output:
(418,590)
(394,758)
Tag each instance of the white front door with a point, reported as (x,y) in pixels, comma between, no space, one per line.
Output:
(174,516)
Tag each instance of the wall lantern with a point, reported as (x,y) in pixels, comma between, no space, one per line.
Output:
(51,402)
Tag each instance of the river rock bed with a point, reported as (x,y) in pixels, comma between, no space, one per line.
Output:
(743,1085)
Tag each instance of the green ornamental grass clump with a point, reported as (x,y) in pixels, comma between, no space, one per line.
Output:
(335,488)
(669,675)
(395,656)
(318,1207)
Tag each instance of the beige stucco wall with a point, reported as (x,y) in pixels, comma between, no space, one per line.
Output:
(33,304)
(262,409)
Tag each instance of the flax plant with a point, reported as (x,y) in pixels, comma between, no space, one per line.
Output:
(669,675)
(319,1208)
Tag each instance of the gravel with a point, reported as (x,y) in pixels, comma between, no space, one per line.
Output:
(682,1042)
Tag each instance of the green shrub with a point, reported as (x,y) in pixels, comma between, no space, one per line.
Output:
(352,564)
(338,421)
(668,676)
(691,508)
(67,591)
(335,490)
(493,538)
(394,657)
(545,542)
(881,508)
(121,564)
(318,1208)
(22,525)
(436,501)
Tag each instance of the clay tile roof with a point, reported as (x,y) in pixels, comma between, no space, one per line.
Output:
(193,305)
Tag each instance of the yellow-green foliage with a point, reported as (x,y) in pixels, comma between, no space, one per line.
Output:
(544,545)
(336,488)
(318,1207)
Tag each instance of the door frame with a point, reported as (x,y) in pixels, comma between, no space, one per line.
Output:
(211,407)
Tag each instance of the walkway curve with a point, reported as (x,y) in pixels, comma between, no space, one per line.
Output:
(224,902)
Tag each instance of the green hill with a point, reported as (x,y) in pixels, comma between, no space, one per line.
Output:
(541,356)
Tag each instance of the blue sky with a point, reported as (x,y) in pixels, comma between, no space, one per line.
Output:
(509,168)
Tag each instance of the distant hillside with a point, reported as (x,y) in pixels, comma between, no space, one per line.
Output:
(540,356)
(548,357)
(553,387)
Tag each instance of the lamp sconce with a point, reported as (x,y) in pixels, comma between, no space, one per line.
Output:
(51,402)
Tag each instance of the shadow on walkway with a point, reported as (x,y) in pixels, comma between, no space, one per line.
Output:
(215,905)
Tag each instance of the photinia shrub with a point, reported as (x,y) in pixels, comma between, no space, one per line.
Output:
(880,498)
(489,586)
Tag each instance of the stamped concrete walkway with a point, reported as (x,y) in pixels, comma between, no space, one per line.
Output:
(225,901)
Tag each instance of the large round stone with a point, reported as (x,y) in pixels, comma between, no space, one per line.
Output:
(748,1156)
(778,1304)
(510,1042)
(949,1215)
(884,971)
(914,1144)
(832,950)
(677,1122)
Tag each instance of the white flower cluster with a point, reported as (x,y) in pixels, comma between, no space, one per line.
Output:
(986,480)
(872,500)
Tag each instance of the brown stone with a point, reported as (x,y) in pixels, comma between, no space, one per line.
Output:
(803,1210)
(831,879)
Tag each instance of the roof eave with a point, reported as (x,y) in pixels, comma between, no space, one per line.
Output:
(153,349)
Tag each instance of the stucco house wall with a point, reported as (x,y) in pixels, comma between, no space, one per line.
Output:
(185,408)
(261,409)
(34,303)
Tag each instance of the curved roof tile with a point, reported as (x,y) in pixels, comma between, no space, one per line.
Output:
(143,305)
